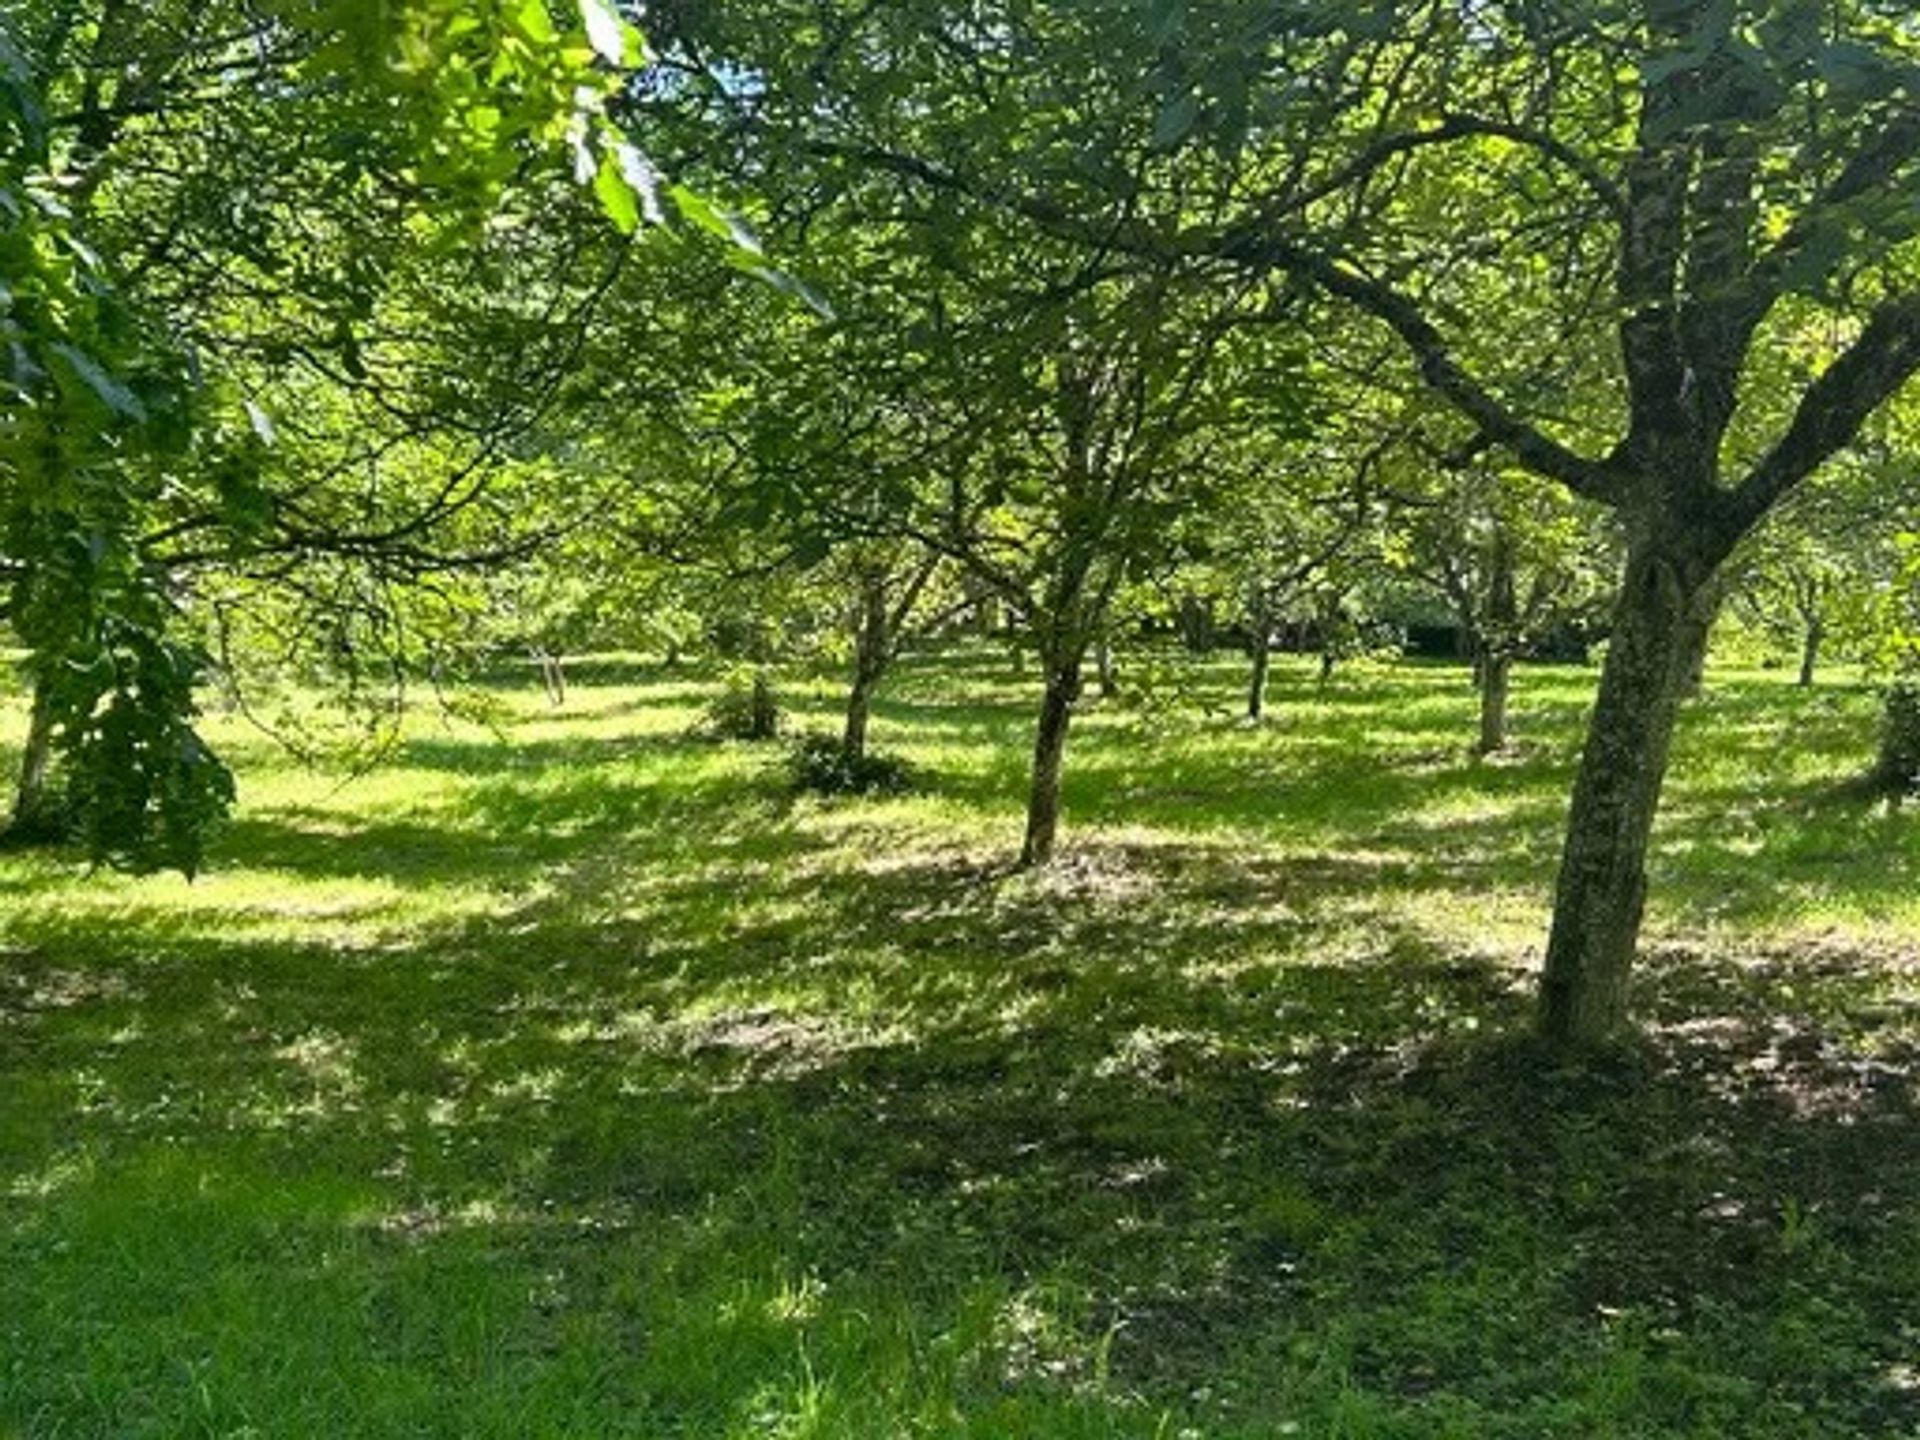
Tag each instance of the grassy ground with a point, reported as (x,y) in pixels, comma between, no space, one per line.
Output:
(578,1080)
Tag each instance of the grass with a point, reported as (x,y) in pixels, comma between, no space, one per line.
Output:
(580,1079)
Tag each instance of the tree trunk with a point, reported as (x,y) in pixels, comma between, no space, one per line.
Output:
(552,676)
(1659,631)
(853,735)
(872,648)
(1196,624)
(983,607)
(1810,653)
(1496,675)
(1109,677)
(1696,676)
(36,815)
(1049,754)
(1257,682)
(1709,605)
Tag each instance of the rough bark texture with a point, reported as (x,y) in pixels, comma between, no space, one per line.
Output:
(1049,756)
(1659,630)
(36,813)
(1695,679)
(1496,675)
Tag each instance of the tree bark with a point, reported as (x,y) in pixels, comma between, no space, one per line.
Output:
(1049,755)
(1659,631)
(36,815)
(1257,682)
(765,722)
(853,734)
(1496,675)
(1709,604)
(1810,653)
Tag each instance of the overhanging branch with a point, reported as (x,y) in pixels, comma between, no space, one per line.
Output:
(1872,370)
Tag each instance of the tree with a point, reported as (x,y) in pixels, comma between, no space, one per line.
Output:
(1724,172)
(1297,510)
(1727,210)
(220,188)
(1816,576)
(1514,560)
(1123,416)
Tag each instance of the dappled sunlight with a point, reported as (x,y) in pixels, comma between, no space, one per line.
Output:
(596,1024)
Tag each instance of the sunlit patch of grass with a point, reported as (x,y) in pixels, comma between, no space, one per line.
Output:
(566,1075)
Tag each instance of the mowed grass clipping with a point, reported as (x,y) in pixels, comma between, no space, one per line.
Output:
(573,1077)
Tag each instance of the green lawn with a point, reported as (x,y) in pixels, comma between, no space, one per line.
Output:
(576,1079)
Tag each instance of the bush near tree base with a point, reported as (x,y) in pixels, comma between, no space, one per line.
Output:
(748,709)
(1898,770)
(822,765)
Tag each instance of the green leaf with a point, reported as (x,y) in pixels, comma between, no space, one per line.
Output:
(618,198)
(261,422)
(1176,121)
(697,210)
(533,22)
(640,174)
(114,395)
(1659,68)
(1165,19)
(1857,71)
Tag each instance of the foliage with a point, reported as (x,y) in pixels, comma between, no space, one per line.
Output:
(1897,769)
(345,345)
(1661,255)
(822,765)
(748,708)
(99,433)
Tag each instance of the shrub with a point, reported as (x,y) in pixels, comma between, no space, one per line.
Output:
(1898,770)
(822,765)
(748,709)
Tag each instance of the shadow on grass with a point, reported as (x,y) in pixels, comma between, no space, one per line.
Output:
(730,1106)
(1236,1161)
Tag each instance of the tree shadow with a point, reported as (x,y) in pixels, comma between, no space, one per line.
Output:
(1251,1101)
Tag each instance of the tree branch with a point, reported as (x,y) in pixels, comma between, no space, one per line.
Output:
(1873,369)
(1439,366)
